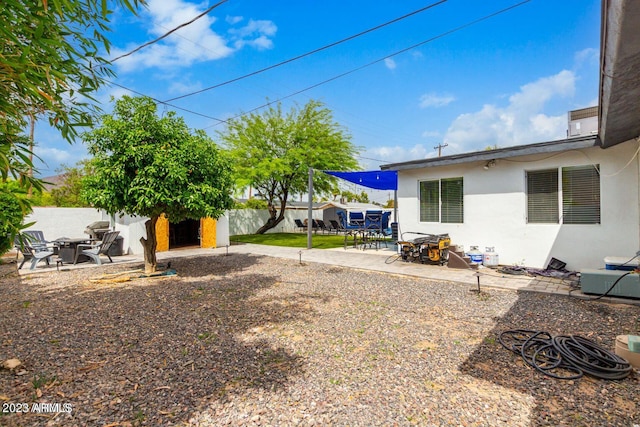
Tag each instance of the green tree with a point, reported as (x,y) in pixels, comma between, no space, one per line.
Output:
(69,192)
(15,181)
(51,63)
(147,166)
(50,52)
(273,153)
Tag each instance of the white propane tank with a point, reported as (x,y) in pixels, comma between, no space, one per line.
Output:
(490,258)
(475,255)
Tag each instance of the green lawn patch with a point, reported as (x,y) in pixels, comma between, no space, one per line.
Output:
(293,240)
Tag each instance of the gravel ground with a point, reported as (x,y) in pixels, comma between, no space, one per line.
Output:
(246,340)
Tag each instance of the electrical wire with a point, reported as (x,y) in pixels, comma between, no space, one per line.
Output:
(613,286)
(441,35)
(346,73)
(166,103)
(168,33)
(295,58)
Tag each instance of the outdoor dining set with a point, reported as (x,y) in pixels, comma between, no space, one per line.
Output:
(363,230)
(35,248)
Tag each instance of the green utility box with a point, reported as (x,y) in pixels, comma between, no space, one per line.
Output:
(599,281)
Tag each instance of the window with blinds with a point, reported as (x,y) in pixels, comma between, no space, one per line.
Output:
(581,195)
(442,201)
(429,201)
(451,209)
(579,201)
(542,196)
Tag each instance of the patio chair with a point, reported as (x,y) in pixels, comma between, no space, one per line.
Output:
(386,228)
(94,250)
(34,253)
(322,226)
(335,225)
(356,218)
(345,225)
(300,224)
(36,239)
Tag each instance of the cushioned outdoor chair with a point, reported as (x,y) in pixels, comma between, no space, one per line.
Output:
(344,223)
(94,250)
(356,218)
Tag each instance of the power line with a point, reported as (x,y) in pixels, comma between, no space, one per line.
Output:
(353,70)
(169,32)
(166,103)
(439,36)
(308,53)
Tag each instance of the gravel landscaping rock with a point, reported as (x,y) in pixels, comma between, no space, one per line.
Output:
(256,341)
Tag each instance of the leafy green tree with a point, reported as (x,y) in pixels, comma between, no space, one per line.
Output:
(50,52)
(363,197)
(15,181)
(51,63)
(69,192)
(147,166)
(273,153)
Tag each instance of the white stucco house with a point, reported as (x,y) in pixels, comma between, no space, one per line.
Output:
(575,199)
(568,199)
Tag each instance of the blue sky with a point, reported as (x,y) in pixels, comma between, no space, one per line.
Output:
(507,80)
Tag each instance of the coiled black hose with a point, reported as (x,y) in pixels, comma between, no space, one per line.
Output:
(564,357)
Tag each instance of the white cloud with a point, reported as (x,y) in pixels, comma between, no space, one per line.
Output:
(256,33)
(390,63)
(233,19)
(522,121)
(196,42)
(177,87)
(431,134)
(393,154)
(588,55)
(434,100)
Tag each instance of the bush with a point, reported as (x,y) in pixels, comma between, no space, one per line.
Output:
(251,204)
(11,217)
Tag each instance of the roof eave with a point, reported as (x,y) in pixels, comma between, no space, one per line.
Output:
(499,153)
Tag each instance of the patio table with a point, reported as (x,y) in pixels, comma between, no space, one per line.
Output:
(67,248)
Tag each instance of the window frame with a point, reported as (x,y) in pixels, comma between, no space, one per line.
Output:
(449,208)
(575,185)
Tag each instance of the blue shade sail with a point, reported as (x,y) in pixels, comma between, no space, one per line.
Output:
(379,180)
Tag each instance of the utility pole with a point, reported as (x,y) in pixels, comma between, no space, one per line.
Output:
(439,147)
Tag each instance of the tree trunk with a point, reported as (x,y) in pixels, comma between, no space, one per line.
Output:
(149,245)
(274,218)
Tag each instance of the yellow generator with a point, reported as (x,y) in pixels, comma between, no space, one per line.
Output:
(430,248)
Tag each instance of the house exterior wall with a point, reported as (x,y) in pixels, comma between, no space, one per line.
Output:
(495,209)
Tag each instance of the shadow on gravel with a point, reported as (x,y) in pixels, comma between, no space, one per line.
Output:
(583,402)
(150,354)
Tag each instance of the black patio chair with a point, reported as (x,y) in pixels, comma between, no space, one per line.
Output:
(300,224)
(335,225)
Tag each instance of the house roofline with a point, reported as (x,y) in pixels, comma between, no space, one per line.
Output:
(499,153)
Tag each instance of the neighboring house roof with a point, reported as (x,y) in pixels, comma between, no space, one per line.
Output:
(352,206)
(619,72)
(498,153)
